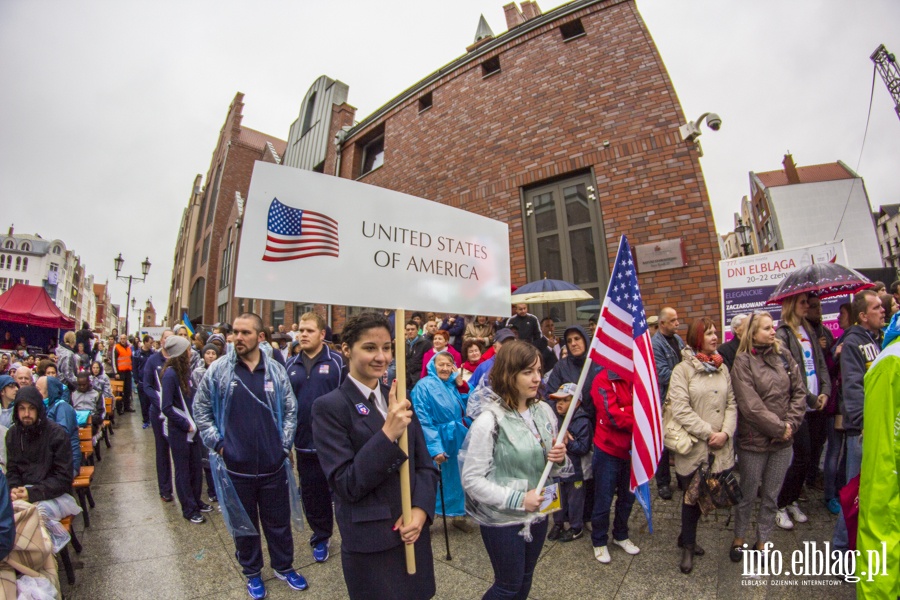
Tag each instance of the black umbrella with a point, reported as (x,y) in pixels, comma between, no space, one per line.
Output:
(821,280)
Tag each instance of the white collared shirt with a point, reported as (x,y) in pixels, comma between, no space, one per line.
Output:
(380,402)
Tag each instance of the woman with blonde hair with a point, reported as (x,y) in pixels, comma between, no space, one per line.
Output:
(771,399)
(797,336)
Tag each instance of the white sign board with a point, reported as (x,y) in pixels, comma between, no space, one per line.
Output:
(748,281)
(314,238)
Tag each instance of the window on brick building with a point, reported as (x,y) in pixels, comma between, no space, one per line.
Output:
(564,236)
(195,300)
(211,213)
(194,260)
(308,114)
(200,216)
(571,30)
(302,309)
(372,155)
(277,313)
(490,66)
(223,313)
(205,256)
(426,101)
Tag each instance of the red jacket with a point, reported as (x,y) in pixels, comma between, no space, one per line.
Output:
(612,397)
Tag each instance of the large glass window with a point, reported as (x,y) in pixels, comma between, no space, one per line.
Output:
(564,233)
(373,155)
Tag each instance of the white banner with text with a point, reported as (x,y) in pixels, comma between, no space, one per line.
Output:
(314,238)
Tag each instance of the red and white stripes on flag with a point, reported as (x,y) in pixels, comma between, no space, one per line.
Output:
(293,233)
(622,344)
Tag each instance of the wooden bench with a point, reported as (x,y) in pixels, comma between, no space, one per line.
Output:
(82,486)
(84,435)
(109,420)
(118,390)
(63,554)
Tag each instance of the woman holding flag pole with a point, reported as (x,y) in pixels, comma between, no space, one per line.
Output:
(357,430)
(501,463)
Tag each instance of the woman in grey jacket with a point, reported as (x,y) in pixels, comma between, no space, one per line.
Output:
(771,399)
(797,337)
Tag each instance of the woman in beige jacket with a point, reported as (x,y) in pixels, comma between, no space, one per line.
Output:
(701,399)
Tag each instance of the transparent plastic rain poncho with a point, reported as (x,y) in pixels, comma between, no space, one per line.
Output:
(501,459)
(212,404)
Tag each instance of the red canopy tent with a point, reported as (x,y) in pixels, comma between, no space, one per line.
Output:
(31,305)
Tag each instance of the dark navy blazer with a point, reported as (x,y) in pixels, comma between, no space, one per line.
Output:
(363,468)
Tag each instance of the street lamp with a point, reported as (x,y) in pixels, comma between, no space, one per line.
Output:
(145,268)
(139,311)
(743,230)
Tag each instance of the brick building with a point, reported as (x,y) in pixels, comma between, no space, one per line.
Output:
(565,127)
(209,234)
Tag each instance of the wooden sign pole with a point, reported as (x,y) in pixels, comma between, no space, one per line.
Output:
(405,490)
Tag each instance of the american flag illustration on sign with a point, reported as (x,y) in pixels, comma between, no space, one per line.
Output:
(294,233)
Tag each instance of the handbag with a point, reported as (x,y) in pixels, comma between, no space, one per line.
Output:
(675,436)
(722,488)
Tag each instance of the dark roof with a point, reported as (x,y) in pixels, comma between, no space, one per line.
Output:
(890,210)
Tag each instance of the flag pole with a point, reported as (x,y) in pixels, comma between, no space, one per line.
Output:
(403,442)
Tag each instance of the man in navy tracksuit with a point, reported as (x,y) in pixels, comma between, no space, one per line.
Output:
(313,373)
(151,376)
(246,411)
(139,358)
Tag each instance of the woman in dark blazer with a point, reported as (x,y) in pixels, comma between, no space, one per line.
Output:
(356,428)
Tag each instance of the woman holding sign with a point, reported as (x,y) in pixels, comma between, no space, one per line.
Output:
(501,463)
(356,428)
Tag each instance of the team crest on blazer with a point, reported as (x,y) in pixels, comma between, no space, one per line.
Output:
(362,409)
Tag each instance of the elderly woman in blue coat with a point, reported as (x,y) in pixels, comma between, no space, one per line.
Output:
(439,400)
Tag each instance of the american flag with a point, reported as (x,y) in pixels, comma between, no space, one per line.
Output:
(622,344)
(294,233)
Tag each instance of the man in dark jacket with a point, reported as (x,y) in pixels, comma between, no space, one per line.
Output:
(526,324)
(728,350)
(667,347)
(139,359)
(85,337)
(455,325)
(416,347)
(861,346)
(39,459)
(313,373)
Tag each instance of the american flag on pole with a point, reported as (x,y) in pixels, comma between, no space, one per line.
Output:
(622,344)
(294,233)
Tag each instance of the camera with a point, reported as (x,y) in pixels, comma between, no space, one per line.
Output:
(714,121)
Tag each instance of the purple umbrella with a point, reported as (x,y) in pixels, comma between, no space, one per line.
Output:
(821,280)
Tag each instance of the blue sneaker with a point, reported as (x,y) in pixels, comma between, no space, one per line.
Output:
(833,506)
(320,551)
(293,579)
(256,588)
(145,425)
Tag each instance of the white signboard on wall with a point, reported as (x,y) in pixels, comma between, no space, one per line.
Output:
(309,237)
(748,281)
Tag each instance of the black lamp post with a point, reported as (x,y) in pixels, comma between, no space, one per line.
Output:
(743,230)
(145,268)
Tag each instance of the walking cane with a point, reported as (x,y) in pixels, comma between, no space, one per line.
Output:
(444,506)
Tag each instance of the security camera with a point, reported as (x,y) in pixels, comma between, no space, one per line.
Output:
(714,121)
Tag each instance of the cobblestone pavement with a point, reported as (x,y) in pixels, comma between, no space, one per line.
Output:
(139,547)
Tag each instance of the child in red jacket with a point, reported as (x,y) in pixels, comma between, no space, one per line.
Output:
(612,398)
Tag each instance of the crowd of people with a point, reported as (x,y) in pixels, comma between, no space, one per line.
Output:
(242,406)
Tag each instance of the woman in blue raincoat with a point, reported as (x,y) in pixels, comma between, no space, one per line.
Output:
(439,400)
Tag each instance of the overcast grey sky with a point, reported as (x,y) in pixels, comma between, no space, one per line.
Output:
(109,109)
